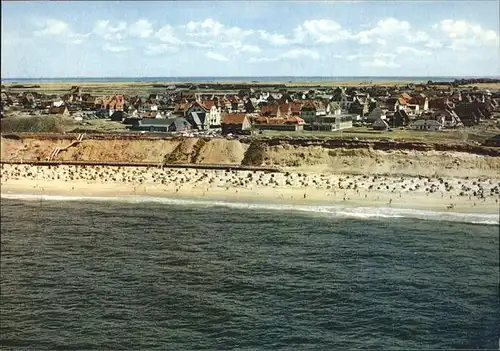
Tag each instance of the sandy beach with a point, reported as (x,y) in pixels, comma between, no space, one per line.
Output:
(467,195)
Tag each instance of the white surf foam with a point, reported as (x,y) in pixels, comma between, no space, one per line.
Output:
(327,210)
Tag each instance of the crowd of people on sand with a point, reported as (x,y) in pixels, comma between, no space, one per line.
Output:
(343,187)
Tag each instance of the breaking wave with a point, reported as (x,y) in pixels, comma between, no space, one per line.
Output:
(326,210)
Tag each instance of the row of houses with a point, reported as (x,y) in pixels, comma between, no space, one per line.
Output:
(327,109)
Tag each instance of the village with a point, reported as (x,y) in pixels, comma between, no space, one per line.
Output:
(253,109)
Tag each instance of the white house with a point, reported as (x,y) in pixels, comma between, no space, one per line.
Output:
(333,108)
(148,107)
(212,115)
(58,103)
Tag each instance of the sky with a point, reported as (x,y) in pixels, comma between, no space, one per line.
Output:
(249,38)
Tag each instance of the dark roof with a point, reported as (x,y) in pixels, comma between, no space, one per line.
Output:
(179,123)
(198,119)
(155,122)
(375,114)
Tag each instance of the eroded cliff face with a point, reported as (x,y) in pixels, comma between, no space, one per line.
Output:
(295,154)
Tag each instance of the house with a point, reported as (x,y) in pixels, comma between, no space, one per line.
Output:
(282,124)
(310,110)
(295,108)
(250,106)
(236,123)
(398,119)
(380,124)
(151,114)
(115,103)
(285,110)
(471,113)
(58,102)
(337,94)
(198,120)
(440,103)
(332,122)
(59,110)
(76,93)
(401,104)
(421,101)
(211,116)
(148,106)
(270,110)
(28,100)
(376,114)
(131,121)
(427,125)
(118,116)
(448,118)
(177,124)
(360,105)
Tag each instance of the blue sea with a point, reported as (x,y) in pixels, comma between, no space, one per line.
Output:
(230,79)
(183,275)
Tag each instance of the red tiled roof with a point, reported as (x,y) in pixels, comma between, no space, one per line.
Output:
(295,107)
(294,120)
(406,96)
(208,104)
(269,109)
(151,114)
(234,118)
(402,101)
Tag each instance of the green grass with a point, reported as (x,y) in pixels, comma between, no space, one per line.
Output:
(449,136)
(100,125)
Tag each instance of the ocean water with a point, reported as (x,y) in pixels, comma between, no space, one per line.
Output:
(182,275)
(230,79)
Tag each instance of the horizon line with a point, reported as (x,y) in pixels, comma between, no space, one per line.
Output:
(264,76)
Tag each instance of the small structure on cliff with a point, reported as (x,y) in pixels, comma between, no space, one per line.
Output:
(236,123)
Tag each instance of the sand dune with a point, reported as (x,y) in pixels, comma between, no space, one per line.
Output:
(286,156)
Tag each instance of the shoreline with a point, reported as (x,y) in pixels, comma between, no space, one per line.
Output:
(333,210)
(284,189)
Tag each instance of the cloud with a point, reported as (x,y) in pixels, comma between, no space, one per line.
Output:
(290,54)
(248,48)
(461,34)
(141,29)
(212,28)
(111,48)
(237,45)
(166,35)
(262,59)
(301,53)
(53,27)
(215,56)
(321,31)
(61,30)
(156,49)
(384,30)
(412,51)
(274,38)
(105,30)
(377,62)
